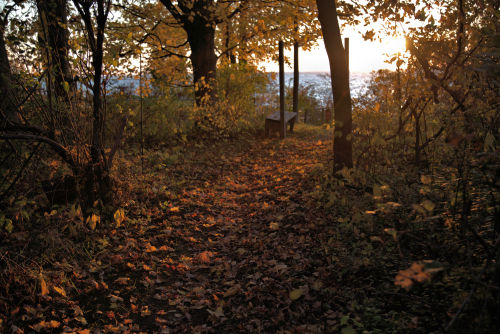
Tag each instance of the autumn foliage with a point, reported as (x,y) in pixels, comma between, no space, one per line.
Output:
(138,192)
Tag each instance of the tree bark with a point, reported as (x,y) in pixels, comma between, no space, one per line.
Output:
(199,19)
(97,181)
(7,100)
(201,38)
(342,145)
(53,16)
(229,53)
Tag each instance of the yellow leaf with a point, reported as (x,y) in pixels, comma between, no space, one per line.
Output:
(295,294)
(428,205)
(59,291)
(174,209)
(274,226)
(93,220)
(119,217)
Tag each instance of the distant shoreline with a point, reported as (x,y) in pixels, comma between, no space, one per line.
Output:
(314,72)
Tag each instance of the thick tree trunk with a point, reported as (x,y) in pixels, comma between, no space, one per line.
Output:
(53,15)
(7,101)
(342,147)
(201,38)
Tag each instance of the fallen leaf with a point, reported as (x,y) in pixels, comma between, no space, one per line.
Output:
(119,217)
(232,290)
(295,294)
(219,312)
(122,280)
(428,205)
(59,291)
(205,256)
(43,286)
(274,226)
(84,331)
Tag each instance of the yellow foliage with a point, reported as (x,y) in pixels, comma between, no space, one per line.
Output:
(93,220)
(119,217)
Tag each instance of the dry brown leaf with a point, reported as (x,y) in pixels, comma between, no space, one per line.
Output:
(232,291)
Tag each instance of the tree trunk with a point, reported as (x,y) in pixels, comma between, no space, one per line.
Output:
(7,101)
(229,53)
(296,77)
(96,179)
(201,38)
(53,16)
(342,146)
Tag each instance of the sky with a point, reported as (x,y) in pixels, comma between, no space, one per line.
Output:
(364,56)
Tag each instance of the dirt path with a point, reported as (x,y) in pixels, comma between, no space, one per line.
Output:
(234,249)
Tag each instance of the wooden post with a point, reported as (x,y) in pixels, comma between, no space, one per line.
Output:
(282,90)
(296,77)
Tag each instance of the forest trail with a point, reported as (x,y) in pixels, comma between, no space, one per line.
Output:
(235,250)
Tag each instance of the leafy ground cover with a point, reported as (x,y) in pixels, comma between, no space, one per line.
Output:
(246,236)
(216,240)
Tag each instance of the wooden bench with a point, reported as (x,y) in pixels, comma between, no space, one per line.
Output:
(273,121)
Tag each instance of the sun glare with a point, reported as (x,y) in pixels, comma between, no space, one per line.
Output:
(394,45)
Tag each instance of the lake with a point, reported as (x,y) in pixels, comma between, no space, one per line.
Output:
(322,82)
(319,80)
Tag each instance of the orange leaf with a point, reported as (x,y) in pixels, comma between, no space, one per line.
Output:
(59,291)
(403,281)
(205,256)
(43,286)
